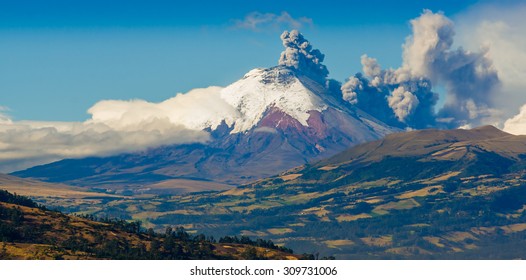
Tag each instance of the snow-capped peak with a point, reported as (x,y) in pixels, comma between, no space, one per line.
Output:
(261,89)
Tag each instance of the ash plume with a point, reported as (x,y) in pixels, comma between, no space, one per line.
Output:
(300,55)
(469,78)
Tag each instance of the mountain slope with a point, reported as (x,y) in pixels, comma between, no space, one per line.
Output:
(422,194)
(430,143)
(428,153)
(39,189)
(455,194)
(284,119)
(29,231)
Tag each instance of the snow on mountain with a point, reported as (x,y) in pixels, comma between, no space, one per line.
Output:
(268,121)
(240,105)
(261,89)
(297,87)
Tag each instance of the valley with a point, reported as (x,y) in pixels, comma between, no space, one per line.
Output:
(31,231)
(423,194)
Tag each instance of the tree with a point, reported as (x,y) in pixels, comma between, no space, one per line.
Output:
(3,252)
(250,253)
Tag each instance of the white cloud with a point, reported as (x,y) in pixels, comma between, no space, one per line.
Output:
(266,129)
(24,144)
(517,124)
(4,118)
(257,21)
(500,31)
(197,109)
(115,127)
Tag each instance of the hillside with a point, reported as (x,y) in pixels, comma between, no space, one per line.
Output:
(30,231)
(421,194)
(446,194)
(427,153)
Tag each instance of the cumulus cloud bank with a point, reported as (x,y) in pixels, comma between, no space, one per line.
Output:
(257,21)
(470,80)
(24,144)
(196,110)
(517,124)
(114,127)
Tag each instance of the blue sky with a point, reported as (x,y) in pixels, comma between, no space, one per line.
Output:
(58,58)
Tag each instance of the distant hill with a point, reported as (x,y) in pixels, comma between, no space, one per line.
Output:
(428,194)
(30,231)
(426,153)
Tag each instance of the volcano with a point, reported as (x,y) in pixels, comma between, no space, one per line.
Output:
(285,116)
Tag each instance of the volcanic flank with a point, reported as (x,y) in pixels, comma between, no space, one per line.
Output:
(280,117)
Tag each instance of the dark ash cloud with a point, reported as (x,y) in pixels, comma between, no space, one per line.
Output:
(404,96)
(300,55)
